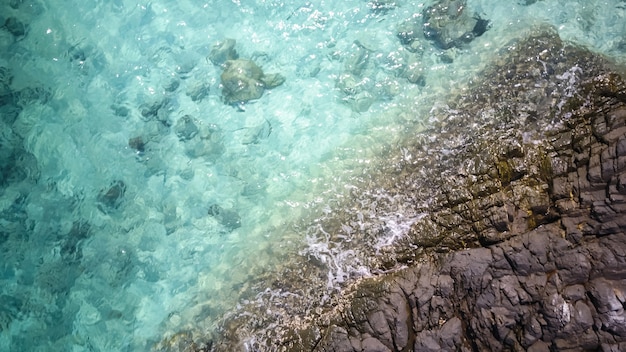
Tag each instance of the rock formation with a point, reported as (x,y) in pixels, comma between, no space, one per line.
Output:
(242,79)
(519,243)
(448,24)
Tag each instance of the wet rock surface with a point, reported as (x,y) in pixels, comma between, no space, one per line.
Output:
(517,199)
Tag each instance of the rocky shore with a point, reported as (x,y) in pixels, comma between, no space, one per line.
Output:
(517,193)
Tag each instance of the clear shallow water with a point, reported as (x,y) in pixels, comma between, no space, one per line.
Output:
(78,275)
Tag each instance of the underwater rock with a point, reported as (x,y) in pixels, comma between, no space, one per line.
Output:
(409,32)
(137,143)
(15,27)
(29,95)
(272,80)
(70,250)
(309,66)
(448,24)
(243,80)
(414,73)
(209,143)
(185,65)
(171,85)
(198,91)
(10,308)
(6,77)
(9,111)
(255,134)
(185,128)
(86,58)
(112,197)
(355,91)
(158,109)
(223,52)
(15,4)
(57,277)
(357,59)
(120,110)
(381,6)
(348,84)
(228,218)
(354,83)
(254,188)
(361,101)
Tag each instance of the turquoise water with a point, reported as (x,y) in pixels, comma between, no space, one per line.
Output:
(109,246)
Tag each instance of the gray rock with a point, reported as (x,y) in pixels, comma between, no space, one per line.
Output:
(449,24)
(272,80)
(198,91)
(356,60)
(257,133)
(15,27)
(223,51)
(228,218)
(241,81)
(185,128)
(111,197)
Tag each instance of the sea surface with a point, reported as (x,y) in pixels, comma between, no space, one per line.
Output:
(135,203)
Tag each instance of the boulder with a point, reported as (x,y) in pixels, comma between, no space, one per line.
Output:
(229,218)
(223,52)
(448,24)
(185,128)
(111,198)
(243,80)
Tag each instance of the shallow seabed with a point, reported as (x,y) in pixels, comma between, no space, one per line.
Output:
(87,266)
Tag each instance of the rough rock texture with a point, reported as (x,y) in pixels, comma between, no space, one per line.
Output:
(448,24)
(518,242)
(223,52)
(546,211)
(243,80)
(536,292)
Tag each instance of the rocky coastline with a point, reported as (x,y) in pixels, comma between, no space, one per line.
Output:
(519,243)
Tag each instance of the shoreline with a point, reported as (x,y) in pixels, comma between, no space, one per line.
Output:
(503,185)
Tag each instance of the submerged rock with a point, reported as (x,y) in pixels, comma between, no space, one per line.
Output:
(272,80)
(137,143)
(448,24)
(157,109)
(228,218)
(243,80)
(71,250)
(208,143)
(185,128)
(223,52)
(15,27)
(198,91)
(382,6)
(111,198)
(257,133)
